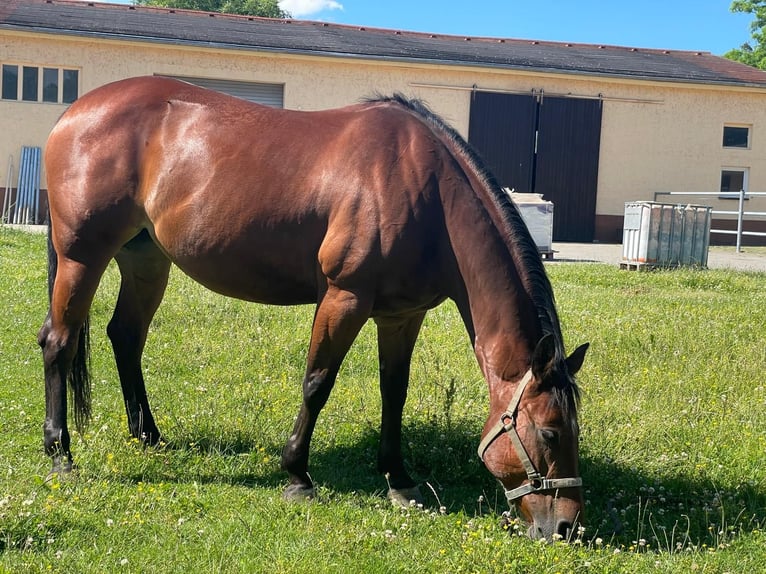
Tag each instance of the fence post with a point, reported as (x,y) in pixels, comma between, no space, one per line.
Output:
(740,217)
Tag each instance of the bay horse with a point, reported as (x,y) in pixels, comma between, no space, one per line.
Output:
(378,210)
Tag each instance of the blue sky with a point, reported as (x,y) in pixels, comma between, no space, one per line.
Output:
(702,25)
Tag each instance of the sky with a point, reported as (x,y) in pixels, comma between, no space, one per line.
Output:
(697,25)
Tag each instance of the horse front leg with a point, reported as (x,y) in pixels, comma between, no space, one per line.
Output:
(144,270)
(396,341)
(339,316)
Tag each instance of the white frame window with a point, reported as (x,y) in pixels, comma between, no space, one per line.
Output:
(736,136)
(38,84)
(733,180)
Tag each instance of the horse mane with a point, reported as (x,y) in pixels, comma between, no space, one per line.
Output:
(521,247)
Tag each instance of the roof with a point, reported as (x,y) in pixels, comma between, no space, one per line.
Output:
(192,28)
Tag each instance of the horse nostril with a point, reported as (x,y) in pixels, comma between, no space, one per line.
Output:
(564,529)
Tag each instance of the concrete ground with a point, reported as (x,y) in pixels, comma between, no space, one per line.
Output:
(750,259)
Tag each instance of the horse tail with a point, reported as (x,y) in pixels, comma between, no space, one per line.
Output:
(79,373)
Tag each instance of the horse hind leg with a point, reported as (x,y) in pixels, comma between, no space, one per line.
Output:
(144,271)
(63,340)
(396,341)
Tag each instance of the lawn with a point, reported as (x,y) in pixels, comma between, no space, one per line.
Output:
(673,424)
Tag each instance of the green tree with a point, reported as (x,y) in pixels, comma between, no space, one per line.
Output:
(751,53)
(265,8)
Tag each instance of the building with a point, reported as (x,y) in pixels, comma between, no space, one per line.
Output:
(588,126)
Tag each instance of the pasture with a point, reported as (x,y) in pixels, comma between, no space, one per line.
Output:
(673,438)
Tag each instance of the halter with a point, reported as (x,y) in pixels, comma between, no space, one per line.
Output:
(507,423)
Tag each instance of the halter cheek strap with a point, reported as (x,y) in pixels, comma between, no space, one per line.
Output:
(507,424)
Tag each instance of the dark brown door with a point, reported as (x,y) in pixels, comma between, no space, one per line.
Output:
(568,142)
(547,145)
(502,129)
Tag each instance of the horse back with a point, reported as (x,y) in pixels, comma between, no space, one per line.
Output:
(254,202)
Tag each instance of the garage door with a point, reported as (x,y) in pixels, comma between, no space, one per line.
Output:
(261,93)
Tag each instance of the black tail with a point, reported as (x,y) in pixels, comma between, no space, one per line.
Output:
(79,376)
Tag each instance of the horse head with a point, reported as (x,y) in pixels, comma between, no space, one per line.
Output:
(537,462)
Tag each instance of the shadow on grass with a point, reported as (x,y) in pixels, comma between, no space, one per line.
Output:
(622,504)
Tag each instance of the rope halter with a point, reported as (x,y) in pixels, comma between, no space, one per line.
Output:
(507,423)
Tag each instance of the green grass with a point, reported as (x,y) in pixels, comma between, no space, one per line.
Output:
(673,438)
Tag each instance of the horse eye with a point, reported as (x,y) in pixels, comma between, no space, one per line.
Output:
(550,437)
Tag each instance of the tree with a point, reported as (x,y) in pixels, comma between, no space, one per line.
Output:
(265,8)
(751,53)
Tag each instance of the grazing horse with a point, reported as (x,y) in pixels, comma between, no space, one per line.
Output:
(378,210)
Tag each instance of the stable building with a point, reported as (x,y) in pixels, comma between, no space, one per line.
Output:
(590,127)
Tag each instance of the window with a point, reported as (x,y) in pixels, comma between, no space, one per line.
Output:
(71,86)
(39,84)
(733,180)
(50,85)
(10,80)
(29,84)
(736,136)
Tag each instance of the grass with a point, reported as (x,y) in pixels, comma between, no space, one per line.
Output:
(673,438)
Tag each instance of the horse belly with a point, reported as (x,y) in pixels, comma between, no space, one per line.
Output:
(251,269)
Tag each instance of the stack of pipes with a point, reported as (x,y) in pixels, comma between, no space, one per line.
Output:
(28,189)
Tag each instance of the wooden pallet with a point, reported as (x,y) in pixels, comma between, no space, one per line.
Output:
(638,266)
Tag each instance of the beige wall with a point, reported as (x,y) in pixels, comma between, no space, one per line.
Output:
(655,136)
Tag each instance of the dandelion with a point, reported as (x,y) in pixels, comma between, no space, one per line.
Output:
(124,562)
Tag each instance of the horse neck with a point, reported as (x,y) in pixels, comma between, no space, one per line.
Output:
(492,293)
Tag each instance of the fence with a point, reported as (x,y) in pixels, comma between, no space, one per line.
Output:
(740,213)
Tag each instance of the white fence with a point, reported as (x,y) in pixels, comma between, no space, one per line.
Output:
(740,212)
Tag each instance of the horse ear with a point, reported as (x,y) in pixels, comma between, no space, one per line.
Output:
(575,360)
(543,356)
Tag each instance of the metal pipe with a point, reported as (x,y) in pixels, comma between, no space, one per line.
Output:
(533,91)
(21,187)
(5,217)
(740,217)
(36,194)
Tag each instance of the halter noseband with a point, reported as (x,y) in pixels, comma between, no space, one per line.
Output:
(507,424)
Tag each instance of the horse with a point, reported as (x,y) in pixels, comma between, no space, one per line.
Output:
(377,210)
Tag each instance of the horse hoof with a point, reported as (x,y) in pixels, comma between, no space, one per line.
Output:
(299,493)
(405,497)
(61,471)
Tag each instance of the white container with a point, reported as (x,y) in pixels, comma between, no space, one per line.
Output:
(665,235)
(537,214)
